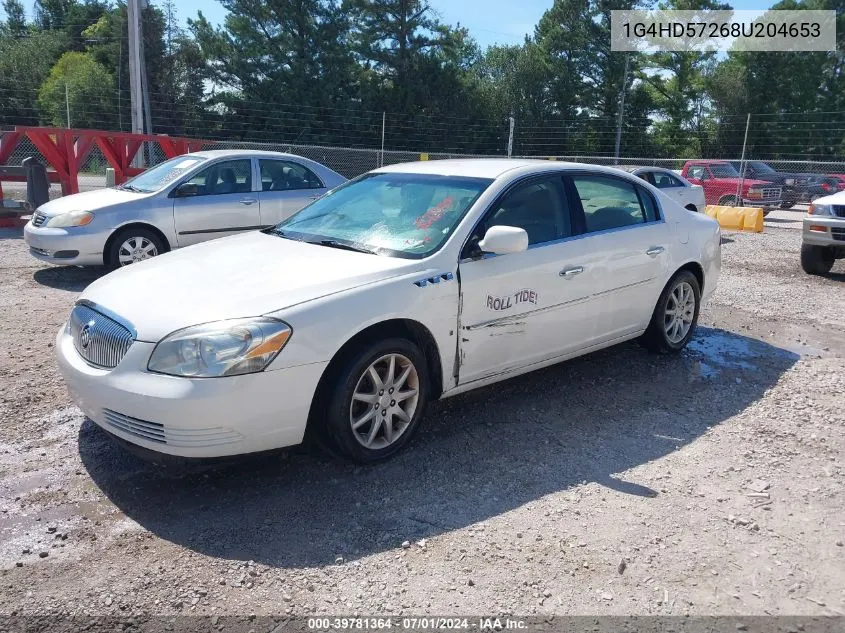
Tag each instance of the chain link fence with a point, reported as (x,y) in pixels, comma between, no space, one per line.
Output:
(351,162)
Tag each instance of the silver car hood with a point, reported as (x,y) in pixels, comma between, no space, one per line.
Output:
(90,201)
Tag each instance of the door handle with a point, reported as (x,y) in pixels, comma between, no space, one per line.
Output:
(571,272)
(655,250)
(314,197)
(248,201)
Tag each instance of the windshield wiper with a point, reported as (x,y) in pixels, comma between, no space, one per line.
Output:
(131,188)
(341,245)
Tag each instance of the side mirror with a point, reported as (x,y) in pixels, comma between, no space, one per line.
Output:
(502,240)
(185,190)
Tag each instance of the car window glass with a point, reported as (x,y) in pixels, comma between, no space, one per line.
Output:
(231,176)
(608,203)
(662,180)
(698,172)
(538,206)
(283,175)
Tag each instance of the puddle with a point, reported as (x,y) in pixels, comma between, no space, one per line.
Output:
(722,350)
(713,351)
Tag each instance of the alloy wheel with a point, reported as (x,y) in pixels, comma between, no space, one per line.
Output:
(384,401)
(680,311)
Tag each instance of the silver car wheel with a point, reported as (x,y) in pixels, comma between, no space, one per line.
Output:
(136,249)
(384,401)
(680,311)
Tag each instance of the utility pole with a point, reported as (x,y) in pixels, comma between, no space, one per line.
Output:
(67,105)
(136,75)
(512,122)
(621,112)
(383,122)
(742,164)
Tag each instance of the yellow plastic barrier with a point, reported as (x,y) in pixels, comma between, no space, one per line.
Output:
(424,156)
(737,218)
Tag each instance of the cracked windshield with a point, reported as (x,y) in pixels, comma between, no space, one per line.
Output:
(405,215)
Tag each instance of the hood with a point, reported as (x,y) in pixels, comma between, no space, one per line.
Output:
(241,276)
(89,201)
(747,182)
(834,198)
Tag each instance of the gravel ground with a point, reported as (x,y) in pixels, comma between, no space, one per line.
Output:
(618,483)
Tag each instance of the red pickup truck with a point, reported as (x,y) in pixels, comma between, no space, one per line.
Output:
(720,182)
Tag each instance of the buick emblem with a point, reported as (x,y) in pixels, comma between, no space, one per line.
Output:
(85,335)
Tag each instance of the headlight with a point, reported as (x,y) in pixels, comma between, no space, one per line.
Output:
(821,209)
(789,181)
(72,218)
(222,348)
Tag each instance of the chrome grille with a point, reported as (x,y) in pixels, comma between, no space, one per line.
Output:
(100,340)
(837,233)
(771,193)
(151,431)
(38,218)
(839,210)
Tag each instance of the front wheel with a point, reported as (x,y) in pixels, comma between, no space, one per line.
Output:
(729,201)
(377,401)
(817,260)
(131,245)
(675,315)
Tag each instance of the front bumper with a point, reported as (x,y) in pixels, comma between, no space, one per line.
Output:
(190,417)
(767,205)
(833,235)
(74,246)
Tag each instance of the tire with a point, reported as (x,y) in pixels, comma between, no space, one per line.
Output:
(354,377)
(656,338)
(728,201)
(149,244)
(787,205)
(817,260)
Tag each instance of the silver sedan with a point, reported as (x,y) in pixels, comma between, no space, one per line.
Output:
(188,199)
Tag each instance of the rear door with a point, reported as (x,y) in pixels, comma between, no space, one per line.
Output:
(286,187)
(223,203)
(672,187)
(627,241)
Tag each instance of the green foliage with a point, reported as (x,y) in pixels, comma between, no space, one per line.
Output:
(324,71)
(84,85)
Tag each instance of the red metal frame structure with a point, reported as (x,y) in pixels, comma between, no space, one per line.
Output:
(65,150)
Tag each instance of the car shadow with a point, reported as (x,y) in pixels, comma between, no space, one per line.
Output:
(782,220)
(477,456)
(72,278)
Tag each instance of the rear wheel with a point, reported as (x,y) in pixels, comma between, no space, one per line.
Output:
(377,400)
(817,260)
(133,244)
(675,315)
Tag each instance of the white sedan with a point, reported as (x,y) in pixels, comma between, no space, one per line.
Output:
(186,200)
(674,185)
(410,283)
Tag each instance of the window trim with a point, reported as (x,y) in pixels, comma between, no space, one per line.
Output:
(286,160)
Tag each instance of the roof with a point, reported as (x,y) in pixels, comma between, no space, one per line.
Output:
(217,153)
(476,167)
(708,161)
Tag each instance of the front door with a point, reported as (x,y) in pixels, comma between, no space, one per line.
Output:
(222,203)
(523,308)
(286,187)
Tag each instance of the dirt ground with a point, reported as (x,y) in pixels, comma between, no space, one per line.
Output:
(618,483)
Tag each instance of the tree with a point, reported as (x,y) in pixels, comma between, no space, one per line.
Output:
(25,62)
(79,83)
(15,24)
(676,81)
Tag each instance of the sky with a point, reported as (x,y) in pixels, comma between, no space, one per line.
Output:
(488,21)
